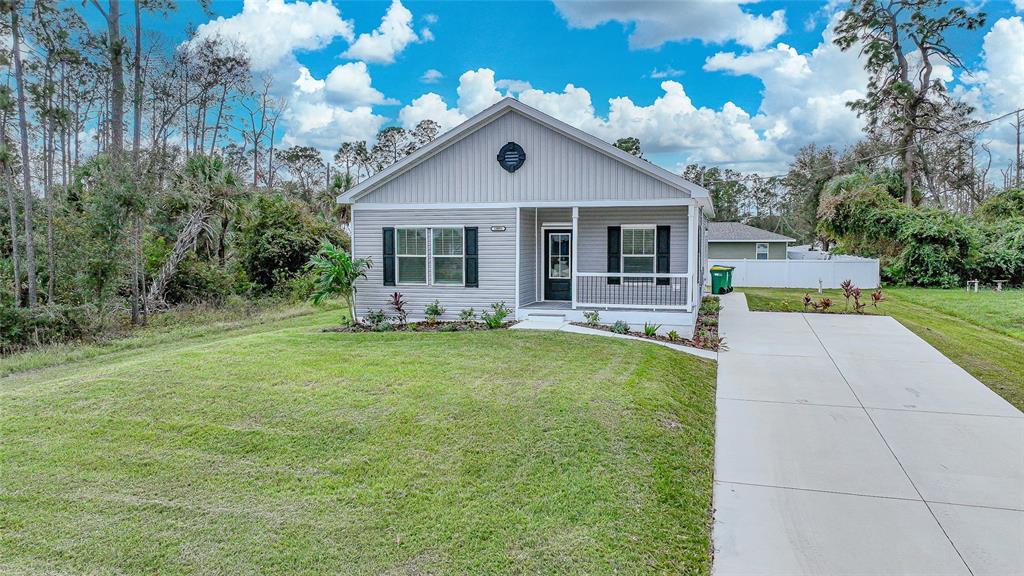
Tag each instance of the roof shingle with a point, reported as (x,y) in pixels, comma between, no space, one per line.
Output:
(739,232)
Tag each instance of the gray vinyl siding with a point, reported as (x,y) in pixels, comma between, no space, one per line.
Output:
(593,233)
(592,251)
(745,250)
(497,260)
(528,231)
(557,168)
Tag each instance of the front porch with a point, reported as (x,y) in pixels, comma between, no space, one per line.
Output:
(632,262)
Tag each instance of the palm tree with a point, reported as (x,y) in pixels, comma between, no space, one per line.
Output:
(216,189)
(338,273)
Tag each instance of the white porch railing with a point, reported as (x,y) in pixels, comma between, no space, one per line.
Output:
(632,290)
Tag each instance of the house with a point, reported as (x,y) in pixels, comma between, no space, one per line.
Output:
(515,206)
(737,241)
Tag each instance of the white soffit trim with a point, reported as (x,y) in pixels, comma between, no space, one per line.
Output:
(504,106)
(554,204)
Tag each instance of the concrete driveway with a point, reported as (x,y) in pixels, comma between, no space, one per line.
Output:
(848,445)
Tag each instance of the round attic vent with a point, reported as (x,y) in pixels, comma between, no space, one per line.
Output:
(511,157)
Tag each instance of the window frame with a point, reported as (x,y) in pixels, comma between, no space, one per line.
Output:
(653,256)
(399,255)
(432,256)
(757,251)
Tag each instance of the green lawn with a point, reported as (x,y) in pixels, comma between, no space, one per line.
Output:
(277,449)
(982,332)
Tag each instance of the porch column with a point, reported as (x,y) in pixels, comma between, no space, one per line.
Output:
(572,250)
(519,226)
(694,253)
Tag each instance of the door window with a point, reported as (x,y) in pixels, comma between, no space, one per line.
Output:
(559,264)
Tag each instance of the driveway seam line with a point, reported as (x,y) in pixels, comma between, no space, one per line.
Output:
(886,442)
(870,408)
(821,491)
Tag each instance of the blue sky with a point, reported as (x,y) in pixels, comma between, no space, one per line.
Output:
(740,84)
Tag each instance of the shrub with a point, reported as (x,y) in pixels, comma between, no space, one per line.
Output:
(620,327)
(376,318)
(434,311)
(710,305)
(279,236)
(467,315)
(496,317)
(592,317)
(651,330)
(452,327)
(52,324)
(398,303)
(383,327)
(673,335)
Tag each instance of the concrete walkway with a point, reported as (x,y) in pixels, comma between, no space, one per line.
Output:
(848,445)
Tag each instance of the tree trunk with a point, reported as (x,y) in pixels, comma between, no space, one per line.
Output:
(12,208)
(185,242)
(116,79)
(222,241)
(51,258)
(26,171)
(136,263)
(907,170)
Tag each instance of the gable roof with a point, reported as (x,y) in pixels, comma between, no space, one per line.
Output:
(739,232)
(504,106)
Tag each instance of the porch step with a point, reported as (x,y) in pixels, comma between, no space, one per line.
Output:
(546,317)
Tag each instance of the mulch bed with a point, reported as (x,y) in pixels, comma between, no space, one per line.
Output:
(705,334)
(440,326)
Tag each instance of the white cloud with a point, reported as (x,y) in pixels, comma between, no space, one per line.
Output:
(713,21)
(431,76)
(477,91)
(996,87)
(668,72)
(430,106)
(1019,5)
(671,125)
(350,85)
(513,86)
(271,31)
(389,39)
(804,96)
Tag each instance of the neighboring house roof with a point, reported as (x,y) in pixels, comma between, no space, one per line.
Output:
(504,106)
(739,232)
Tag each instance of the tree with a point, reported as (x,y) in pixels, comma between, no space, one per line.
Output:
(305,166)
(902,95)
(725,186)
(425,132)
(630,145)
(393,144)
(337,274)
(26,170)
(213,188)
(810,170)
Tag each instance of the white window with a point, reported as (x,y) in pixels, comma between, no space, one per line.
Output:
(762,250)
(638,249)
(449,253)
(411,252)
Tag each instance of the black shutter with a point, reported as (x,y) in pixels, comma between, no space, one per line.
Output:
(661,261)
(389,256)
(472,269)
(614,251)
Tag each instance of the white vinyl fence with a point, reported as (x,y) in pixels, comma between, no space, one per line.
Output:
(802,273)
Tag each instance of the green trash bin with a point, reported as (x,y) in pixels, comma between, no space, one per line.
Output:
(721,279)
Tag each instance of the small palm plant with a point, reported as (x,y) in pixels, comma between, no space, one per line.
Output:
(337,275)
